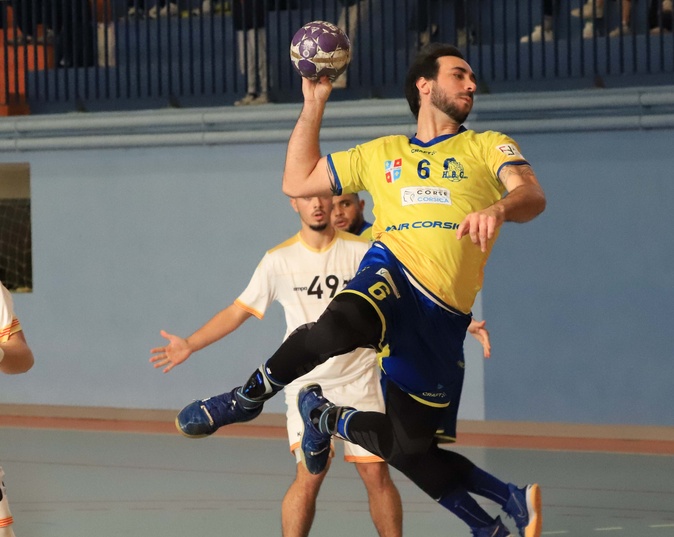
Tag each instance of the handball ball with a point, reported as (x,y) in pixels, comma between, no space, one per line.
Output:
(320,49)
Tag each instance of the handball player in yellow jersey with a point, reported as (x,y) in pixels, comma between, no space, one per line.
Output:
(440,199)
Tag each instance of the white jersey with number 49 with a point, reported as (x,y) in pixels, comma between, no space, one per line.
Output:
(304,281)
(9,324)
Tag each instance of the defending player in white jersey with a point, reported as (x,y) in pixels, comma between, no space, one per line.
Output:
(15,357)
(303,274)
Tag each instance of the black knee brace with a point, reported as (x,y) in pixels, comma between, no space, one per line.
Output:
(348,322)
(259,387)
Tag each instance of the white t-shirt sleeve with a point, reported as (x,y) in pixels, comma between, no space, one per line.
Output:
(6,313)
(261,290)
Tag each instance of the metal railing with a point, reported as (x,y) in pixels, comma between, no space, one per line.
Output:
(62,55)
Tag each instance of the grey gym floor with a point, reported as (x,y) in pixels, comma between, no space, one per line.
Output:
(79,483)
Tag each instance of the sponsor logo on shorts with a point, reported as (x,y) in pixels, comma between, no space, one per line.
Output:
(389,279)
(423,224)
(393,169)
(435,394)
(416,195)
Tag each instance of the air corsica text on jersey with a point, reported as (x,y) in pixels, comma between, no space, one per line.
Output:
(423,224)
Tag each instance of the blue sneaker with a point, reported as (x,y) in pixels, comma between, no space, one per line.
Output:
(497,529)
(315,445)
(204,417)
(525,506)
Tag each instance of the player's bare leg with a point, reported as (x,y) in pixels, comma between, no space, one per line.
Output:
(299,504)
(385,505)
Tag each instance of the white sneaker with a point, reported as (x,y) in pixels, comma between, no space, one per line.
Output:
(656,31)
(588,30)
(205,8)
(620,30)
(263,98)
(587,12)
(426,35)
(168,10)
(461,37)
(537,35)
(134,13)
(246,99)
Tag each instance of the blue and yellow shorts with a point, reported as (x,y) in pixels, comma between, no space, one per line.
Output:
(421,348)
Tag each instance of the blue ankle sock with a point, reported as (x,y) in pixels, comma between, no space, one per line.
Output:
(485,484)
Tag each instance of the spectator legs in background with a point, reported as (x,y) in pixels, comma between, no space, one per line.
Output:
(660,17)
(544,31)
(253,63)
(136,8)
(590,11)
(163,9)
(625,17)
(75,36)
(351,19)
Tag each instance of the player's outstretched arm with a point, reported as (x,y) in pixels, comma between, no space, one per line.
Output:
(478,329)
(525,200)
(180,349)
(306,172)
(15,355)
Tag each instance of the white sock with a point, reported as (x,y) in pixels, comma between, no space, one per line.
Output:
(6,519)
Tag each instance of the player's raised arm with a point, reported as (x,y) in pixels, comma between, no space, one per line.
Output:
(306,171)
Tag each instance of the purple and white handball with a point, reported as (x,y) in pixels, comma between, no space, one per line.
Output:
(320,49)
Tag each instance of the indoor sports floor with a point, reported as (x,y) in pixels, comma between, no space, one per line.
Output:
(75,480)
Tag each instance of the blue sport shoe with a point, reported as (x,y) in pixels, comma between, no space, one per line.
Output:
(315,445)
(204,417)
(525,506)
(497,529)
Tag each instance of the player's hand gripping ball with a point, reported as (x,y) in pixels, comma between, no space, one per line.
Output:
(320,49)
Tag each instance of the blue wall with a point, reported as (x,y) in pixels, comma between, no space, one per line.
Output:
(127,242)
(580,300)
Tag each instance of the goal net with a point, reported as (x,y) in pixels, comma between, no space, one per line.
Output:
(16,263)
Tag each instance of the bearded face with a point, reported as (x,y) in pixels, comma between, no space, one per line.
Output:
(456,107)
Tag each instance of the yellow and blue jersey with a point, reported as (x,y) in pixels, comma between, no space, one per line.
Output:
(365,231)
(421,193)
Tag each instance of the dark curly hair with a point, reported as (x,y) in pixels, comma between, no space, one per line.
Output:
(425,65)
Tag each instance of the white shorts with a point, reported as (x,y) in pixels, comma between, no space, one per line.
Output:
(364,393)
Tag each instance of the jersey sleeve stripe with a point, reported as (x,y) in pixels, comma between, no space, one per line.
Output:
(333,172)
(250,310)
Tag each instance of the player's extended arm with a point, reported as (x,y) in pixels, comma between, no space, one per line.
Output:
(180,349)
(16,355)
(478,329)
(306,172)
(525,200)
